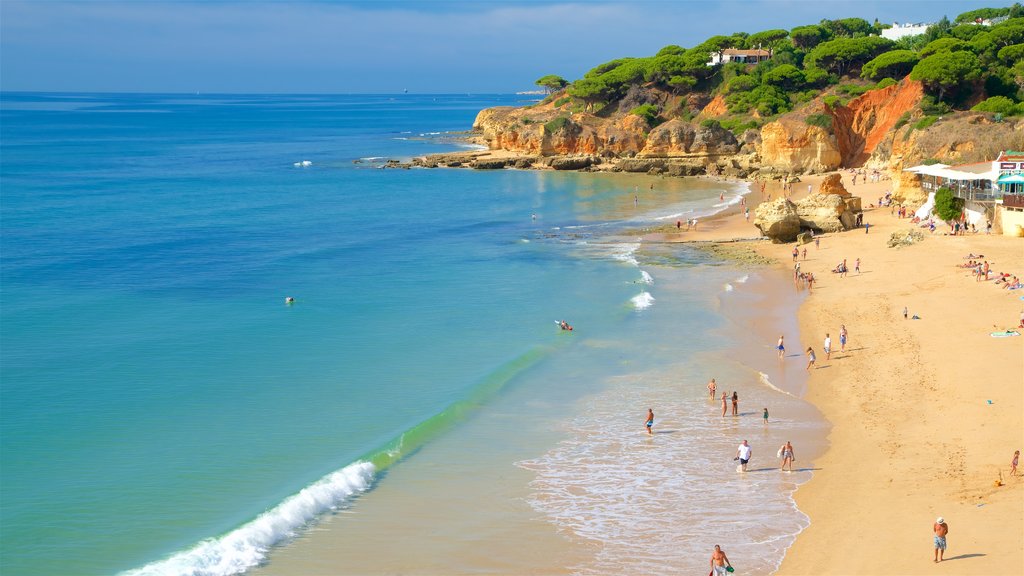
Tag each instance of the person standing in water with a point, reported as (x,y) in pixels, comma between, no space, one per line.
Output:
(787,456)
(781,346)
(743,453)
(725,403)
(711,388)
(719,561)
(735,403)
(766,415)
(650,421)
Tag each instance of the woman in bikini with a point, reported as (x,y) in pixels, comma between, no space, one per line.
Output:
(725,403)
(735,403)
(787,456)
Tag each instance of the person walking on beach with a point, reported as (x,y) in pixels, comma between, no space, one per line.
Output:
(781,346)
(718,562)
(711,388)
(796,253)
(904,312)
(941,529)
(746,214)
(650,421)
(842,337)
(787,455)
(805,254)
(725,403)
(1014,462)
(856,266)
(743,453)
(735,403)
(828,347)
(817,243)
(810,358)
(766,415)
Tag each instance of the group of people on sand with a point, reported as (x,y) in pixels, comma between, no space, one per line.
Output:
(982,271)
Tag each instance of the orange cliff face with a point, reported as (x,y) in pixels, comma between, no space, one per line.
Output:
(791,145)
(868,119)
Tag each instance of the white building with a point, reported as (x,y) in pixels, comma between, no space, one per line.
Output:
(903,30)
(741,56)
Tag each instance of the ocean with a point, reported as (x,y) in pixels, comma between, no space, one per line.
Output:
(163,410)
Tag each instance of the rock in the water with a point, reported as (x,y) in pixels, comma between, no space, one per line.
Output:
(778,220)
(490,163)
(570,162)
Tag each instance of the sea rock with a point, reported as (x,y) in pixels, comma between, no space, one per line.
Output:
(644,165)
(490,163)
(824,212)
(777,220)
(833,184)
(570,162)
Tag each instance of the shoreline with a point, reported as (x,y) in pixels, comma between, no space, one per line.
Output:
(745,314)
(921,441)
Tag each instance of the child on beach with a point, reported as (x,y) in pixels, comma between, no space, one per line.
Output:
(765,415)
(1013,463)
(810,358)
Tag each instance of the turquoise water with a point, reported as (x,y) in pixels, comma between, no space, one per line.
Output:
(156,390)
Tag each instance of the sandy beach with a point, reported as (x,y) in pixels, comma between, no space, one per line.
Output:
(926,413)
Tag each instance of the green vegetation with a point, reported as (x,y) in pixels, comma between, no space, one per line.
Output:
(946,70)
(648,112)
(925,122)
(820,120)
(999,105)
(947,206)
(556,124)
(902,121)
(552,83)
(956,61)
(893,63)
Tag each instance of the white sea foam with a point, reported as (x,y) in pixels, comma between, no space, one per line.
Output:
(247,546)
(642,301)
(303,164)
(646,278)
(742,279)
(625,253)
(655,504)
(728,287)
(767,382)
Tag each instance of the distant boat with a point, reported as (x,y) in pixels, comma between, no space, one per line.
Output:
(406,91)
(303,164)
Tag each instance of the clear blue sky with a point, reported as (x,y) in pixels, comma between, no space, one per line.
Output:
(383,47)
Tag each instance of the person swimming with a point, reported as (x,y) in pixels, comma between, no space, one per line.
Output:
(289,300)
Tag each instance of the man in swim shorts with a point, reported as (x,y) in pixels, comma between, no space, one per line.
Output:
(650,421)
(719,561)
(842,337)
(743,452)
(781,346)
(941,529)
(828,346)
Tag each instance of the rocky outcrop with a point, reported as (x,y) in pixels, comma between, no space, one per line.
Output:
(677,138)
(792,145)
(833,184)
(777,220)
(825,213)
(782,220)
(571,162)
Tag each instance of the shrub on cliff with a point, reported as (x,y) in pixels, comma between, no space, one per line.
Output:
(821,121)
(649,112)
(556,124)
(785,76)
(807,37)
(999,105)
(947,206)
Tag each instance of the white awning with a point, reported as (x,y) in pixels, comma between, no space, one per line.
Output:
(927,169)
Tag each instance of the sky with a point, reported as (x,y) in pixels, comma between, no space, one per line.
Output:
(375,47)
